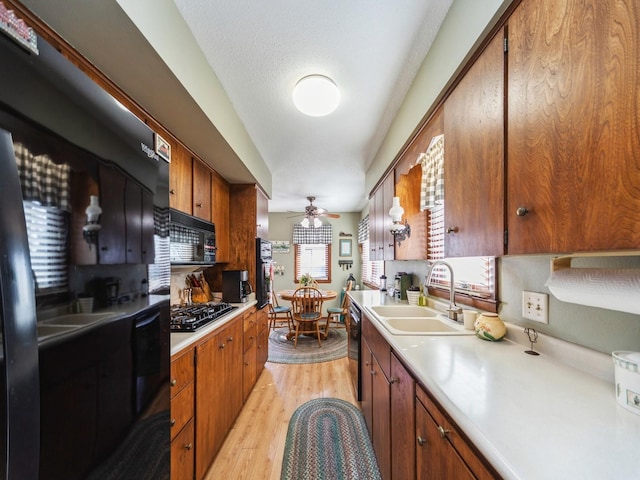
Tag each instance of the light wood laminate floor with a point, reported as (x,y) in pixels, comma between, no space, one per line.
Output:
(255,446)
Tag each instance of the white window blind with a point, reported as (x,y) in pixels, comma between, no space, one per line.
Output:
(160,270)
(371,271)
(314,259)
(47,236)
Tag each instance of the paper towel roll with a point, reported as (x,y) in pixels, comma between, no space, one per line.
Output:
(611,288)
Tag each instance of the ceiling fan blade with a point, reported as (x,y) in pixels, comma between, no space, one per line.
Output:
(330,215)
(296,215)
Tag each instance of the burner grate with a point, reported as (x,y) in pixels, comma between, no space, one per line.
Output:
(191,317)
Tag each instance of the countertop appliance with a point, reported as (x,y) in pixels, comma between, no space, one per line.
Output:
(189,318)
(264,272)
(354,347)
(235,286)
(64,139)
(193,240)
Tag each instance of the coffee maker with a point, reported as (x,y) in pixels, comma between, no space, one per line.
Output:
(235,286)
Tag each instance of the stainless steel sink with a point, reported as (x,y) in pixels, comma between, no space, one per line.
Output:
(405,311)
(77,319)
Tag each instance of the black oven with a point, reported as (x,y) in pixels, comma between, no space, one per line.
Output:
(353,345)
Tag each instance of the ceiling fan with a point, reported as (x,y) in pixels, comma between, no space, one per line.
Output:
(311,214)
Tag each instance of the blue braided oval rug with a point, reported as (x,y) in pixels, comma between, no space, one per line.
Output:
(328,439)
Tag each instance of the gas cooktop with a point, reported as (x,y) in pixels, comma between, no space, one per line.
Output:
(188,318)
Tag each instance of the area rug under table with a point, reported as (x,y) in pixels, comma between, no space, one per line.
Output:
(281,349)
(327,439)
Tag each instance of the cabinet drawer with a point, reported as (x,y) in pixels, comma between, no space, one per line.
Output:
(378,345)
(248,321)
(249,339)
(181,409)
(262,320)
(182,372)
(182,454)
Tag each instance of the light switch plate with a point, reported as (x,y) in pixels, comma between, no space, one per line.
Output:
(535,306)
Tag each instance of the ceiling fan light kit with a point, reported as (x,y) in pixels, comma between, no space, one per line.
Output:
(316,95)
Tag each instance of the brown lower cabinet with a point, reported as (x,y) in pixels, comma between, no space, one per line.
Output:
(209,384)
(411,436)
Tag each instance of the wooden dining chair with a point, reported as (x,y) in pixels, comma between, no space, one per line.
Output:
(334,314)
(278,314)
(306,305)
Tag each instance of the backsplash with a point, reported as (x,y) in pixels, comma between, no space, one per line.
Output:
(595,328)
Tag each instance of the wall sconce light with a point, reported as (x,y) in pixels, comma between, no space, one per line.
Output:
(316,222)
(400,231)
(92,227)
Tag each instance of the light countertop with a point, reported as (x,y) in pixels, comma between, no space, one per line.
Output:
(532,417)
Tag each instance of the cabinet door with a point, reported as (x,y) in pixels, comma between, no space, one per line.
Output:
(133,220)
(573,138)
(403,446)
(111,238)
(388,240)
(379,223)
(148,229)
(474,158)
(182,454)
(201,191)
(436,459)
(366,368)
(373,231)
(180,180)
(381,411)
(220,216)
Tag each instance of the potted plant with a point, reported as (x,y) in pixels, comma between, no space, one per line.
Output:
(306,280)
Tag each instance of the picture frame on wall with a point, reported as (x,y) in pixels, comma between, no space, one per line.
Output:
(280,246)
(162,147)
(345,247)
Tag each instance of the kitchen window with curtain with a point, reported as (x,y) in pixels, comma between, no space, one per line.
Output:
(312,252)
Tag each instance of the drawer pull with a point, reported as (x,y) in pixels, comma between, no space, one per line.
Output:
(452,229)
(442,431)
(421,441)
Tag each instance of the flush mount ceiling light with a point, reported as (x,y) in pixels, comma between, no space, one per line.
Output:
(316,95)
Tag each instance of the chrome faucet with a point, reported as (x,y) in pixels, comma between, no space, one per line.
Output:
(453,311)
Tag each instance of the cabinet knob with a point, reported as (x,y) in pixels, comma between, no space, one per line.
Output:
(229,339)
(221,346)
(199,205)
(452,229)
(174,382)
(188,446)
(173,422)
(442,431)
(393,380)
(421,441)
(521,211)
(172,192)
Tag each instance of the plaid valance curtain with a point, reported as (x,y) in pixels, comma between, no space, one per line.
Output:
(363,230)
(322,234)
(161,221)
(432,161)
(43,180)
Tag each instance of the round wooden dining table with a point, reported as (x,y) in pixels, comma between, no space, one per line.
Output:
(326,294)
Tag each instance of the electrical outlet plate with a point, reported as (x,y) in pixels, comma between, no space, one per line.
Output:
(535,306)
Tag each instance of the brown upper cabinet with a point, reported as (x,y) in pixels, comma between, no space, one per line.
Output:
(201,191)
(220,216)
(572,142)
(474,158)
(181,179)
(381,242)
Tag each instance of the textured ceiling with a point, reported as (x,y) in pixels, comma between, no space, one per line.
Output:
(372,49)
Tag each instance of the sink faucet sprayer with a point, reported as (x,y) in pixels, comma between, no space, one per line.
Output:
(453,310)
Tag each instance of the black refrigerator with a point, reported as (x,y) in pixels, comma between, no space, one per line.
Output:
(63,142)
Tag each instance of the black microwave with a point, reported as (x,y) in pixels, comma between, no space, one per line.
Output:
(193,240)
